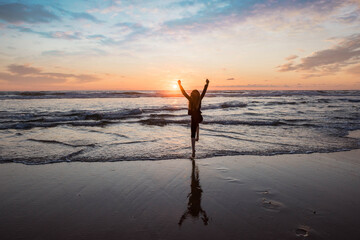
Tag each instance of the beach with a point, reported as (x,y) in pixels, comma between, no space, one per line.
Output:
(179,120)
(296,196)
(115,165)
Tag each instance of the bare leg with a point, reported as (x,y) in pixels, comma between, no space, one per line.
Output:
(197,133)
(193,147)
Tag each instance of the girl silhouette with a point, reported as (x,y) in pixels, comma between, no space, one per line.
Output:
(194,208)
(194,110)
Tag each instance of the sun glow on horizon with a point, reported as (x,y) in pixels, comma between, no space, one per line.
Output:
(150,44)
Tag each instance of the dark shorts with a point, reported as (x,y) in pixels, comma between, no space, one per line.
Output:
(195,120)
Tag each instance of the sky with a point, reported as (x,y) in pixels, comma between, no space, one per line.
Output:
(149,45)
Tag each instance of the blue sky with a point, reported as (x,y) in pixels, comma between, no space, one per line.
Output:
(149,44)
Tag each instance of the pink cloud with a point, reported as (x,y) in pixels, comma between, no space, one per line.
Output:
(28,74)
(345,53)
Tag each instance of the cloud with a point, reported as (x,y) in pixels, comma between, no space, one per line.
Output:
(28,74)
(177,18)
(286,67)
(34,13)
(110,7)
(23,69)
(54,53)
(132,26)
(69,35)
(266,14)
(127,32)
(87,52)
(230,79)
(29,79)
(79,15)
(86,78)
(85,16)
(349,18)
(252,86)
(354,70)
(18,13)
(312,75)
(345,53)
(96,36)
(132,29)
(291,57)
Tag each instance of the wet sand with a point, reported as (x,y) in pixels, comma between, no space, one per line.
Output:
(312,196)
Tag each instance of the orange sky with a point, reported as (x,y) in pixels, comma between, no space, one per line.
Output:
(119,45)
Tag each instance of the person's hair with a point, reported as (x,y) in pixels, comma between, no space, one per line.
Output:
(194,104)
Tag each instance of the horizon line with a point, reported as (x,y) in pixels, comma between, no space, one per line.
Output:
(172,90)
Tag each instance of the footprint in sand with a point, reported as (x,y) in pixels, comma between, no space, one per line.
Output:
(272,205)
(203,164)
(228,179)
(263,192)
(302,231)
(222,169)
(233,180)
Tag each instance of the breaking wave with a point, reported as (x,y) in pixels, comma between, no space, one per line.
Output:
(166,94)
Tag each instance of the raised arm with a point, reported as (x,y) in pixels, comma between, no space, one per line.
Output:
(205,88)
(183,91)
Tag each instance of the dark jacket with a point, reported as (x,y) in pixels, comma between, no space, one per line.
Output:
(190,111)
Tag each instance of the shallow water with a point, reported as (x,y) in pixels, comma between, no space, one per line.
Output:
(44,127)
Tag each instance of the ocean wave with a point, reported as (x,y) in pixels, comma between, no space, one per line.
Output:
(73,115)
(74,118)
(281,103)
(162,115)
(76,156)
(26,126)
(121,114)
(43,93)
(74,94)
(164,108)
(249,123)
(92,120)
(277,122)
(229,104)
(61,143)
(170,94)
(161,121)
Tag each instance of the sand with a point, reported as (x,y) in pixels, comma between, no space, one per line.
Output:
(311,196)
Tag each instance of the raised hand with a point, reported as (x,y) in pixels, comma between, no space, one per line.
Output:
(207,81)
(179,82)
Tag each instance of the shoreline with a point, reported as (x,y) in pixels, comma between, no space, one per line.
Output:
(356,134)
(289,196)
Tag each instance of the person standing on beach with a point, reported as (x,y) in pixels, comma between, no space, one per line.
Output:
(194,110)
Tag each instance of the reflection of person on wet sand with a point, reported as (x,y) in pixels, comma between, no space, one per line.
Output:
(194,205)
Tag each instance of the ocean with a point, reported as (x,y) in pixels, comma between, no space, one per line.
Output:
(101,126)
